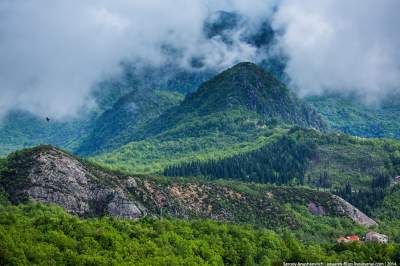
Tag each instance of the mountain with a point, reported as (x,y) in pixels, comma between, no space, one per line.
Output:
(238,110)
(246,89)
(353,117)
(48,175)
(20,129)
(131,110)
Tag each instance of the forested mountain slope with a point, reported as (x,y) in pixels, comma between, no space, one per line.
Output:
(238,110)
(305,156)
(21,129)
(128,113)
(55,237)
(351,116)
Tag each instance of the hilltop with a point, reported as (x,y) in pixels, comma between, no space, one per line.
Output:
(48,175)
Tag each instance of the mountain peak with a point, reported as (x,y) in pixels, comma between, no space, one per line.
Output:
(242,92)
(245,66)
(241,85)
(248,86)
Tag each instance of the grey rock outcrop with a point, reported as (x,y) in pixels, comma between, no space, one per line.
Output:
(60,179)
(355,214)
(122,207)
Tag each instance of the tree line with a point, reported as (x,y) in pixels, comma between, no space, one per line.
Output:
(281,162)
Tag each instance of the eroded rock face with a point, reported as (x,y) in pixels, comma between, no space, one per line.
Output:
(355,214)
(122,207)
(60,179)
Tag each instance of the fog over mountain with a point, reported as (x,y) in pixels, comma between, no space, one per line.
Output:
(342,46)
(53,52)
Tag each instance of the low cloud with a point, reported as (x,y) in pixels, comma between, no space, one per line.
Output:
(53,52)
(341,46)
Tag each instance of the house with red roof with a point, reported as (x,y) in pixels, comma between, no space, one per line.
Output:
(349,239)
(353,238)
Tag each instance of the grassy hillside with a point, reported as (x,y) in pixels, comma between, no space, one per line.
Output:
(152,155)
(336,159)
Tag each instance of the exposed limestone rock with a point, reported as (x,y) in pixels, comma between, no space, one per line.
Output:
(60,179)
(376,237)
(121,207)
(355,214)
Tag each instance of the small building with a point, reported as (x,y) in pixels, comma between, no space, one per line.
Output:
(376,237)
(348,239)
(397,179)
(353,238)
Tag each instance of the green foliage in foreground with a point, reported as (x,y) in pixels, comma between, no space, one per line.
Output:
(40,235)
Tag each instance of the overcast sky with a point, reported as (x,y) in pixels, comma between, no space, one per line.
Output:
(53,51)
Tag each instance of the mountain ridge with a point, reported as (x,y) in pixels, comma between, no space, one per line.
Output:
(49,175)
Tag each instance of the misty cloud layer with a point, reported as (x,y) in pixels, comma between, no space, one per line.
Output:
(342,46)
(53,52)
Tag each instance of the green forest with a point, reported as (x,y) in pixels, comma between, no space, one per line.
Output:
(45,235)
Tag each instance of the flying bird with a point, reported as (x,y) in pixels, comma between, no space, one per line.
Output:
(47,119)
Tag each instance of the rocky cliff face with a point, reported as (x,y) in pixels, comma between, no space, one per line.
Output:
(355,214)
(49,175)
(58,178)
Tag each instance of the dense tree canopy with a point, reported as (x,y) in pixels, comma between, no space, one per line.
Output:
(40,235)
